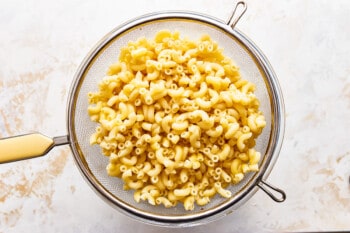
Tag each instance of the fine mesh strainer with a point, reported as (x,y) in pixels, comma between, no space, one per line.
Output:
(253,67)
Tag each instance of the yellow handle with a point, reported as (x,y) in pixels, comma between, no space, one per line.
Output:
(24,147)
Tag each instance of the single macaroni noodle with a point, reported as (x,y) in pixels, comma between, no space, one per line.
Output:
(177,121)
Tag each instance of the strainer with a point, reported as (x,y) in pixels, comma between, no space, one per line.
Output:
(253,67)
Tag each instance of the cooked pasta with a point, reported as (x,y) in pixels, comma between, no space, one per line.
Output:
(177,121)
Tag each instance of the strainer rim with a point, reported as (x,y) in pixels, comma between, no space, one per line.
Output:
(276,133)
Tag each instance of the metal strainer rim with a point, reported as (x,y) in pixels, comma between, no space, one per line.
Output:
(276,136)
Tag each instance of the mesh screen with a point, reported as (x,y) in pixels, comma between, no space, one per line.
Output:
(110,53)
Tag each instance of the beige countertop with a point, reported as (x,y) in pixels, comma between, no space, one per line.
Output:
(42,44)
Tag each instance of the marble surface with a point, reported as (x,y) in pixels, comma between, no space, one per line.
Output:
(307,42)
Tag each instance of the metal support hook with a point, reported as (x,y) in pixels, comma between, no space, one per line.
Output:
(235,17)
(267,187)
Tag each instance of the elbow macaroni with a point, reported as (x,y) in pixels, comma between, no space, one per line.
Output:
(177,121)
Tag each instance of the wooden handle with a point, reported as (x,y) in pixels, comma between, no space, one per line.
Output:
(24,147)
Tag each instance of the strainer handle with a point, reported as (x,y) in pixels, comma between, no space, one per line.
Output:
(236,15)
(267,189)
(28,146)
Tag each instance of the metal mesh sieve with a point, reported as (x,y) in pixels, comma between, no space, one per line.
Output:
(253,67)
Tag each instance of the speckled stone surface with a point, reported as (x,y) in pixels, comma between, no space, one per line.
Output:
(307,42)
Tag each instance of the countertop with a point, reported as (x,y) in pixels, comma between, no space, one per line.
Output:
(42,44)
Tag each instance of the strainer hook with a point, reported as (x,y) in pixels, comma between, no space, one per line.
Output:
(267,187)
(235,17)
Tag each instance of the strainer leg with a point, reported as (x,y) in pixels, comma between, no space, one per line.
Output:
(236,16)
(268,188)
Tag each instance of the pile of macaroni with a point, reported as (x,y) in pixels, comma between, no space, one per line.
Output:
(177,121)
